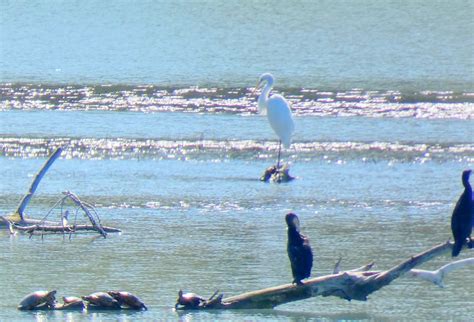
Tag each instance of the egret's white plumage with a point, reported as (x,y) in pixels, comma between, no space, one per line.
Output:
(277,110)
(437,276)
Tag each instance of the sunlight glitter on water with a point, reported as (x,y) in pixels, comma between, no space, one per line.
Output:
(121,148)
(426,104)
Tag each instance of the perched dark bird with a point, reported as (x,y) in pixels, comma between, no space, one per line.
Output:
(461,220)
(299,250)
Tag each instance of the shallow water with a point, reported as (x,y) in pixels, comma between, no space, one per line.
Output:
(196,217)
(153,104)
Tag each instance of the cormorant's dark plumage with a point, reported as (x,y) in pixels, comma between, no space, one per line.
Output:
(461,220)
(299,250)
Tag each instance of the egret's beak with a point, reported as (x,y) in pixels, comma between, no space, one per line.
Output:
(256,88)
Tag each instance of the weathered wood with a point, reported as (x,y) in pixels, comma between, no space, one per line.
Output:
(350,285)
(62,229)
(437,276)
(84,208)
(19,215)
(18,222)
(26,199)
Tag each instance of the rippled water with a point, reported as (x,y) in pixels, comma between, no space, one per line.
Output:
(154,106)
(184,188)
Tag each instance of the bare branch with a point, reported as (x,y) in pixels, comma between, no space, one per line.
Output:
(438,275)
(356,284)
(26,199)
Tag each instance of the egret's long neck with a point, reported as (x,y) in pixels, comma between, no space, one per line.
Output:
(263,98)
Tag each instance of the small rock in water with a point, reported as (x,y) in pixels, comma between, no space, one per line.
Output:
(268,173)
(272,174)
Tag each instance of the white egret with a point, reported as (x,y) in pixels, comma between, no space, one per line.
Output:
(278,112)
(438,275)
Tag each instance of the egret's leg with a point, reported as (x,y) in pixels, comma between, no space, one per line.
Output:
(279,151)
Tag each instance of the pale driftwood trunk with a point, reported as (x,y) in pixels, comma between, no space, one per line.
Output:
(26,199)
(18,216)
(348,285)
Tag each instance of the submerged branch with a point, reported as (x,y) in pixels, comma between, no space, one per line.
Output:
(62,229)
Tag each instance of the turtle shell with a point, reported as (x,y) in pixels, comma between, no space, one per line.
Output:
(189,300)
(128,299)
(71,299)
(37,299)
(102,299)
(71,303)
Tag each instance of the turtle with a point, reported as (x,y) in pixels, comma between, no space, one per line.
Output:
(189,300)
(71,302)
(71,299)
(128,299)
(102,300)
(38,299)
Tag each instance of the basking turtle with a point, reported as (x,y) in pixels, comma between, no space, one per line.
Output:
(101,300)
(128,299)
(71,299)
(37,300)
(189,300)
(71,302)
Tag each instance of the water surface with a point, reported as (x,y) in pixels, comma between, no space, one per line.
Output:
(153,104)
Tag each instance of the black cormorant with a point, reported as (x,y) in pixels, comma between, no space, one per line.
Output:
(299,250)
(461,220)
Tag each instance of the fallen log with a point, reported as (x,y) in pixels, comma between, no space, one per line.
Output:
(63,229)
(349,285)
(19,222)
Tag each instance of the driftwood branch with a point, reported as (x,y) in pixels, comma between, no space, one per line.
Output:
(18,221)
(33,226)
(349,285)
(437,276)
(85,207)
(26,199)
(62,229)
